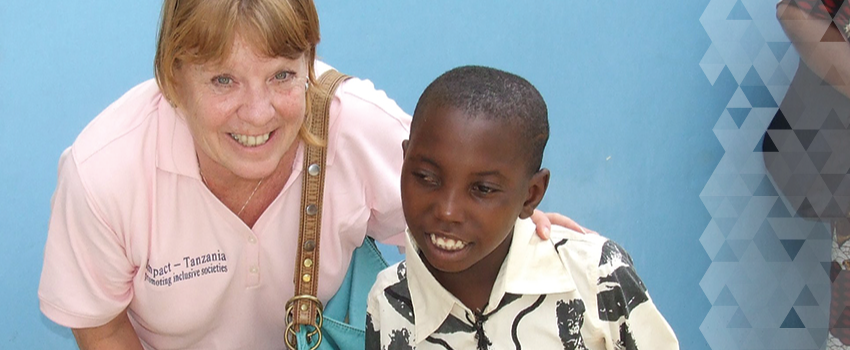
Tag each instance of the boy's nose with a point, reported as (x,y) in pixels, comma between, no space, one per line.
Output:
(448,206)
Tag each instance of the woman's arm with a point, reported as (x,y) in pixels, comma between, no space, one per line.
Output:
(806,31)
(117,334)
(86,276)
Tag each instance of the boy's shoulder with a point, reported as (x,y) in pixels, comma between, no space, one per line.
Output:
(395,274)
(560,235)
(563,232)
(594,246)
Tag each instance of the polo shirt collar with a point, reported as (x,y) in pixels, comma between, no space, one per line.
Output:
(175,149)
(529,268)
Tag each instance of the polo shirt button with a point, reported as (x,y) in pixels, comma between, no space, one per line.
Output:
(252,239)
(254,269)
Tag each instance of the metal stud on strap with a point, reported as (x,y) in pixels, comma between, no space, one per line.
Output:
(313,169)
(312,209)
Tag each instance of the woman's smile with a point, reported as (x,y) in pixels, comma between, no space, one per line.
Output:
(251,140)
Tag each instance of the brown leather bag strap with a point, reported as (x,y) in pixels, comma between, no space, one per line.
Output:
(304,308)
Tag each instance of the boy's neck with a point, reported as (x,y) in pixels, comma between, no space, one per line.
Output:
(474,285)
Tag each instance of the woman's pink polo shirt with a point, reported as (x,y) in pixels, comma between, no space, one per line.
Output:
(132,225)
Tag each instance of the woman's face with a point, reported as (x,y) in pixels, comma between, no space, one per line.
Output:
(244,113)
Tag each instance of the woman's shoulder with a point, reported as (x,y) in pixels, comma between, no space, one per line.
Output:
(357,94)
(125,119)
(119,145)
(365,124)
(357,100)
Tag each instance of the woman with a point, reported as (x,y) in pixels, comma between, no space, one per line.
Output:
(176,210)
(815,110)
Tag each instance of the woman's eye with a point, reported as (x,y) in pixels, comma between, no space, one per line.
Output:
(222,80)
(283,75)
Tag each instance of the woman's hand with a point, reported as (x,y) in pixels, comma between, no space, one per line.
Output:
(544,223)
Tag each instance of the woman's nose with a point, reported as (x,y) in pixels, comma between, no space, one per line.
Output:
(257,107)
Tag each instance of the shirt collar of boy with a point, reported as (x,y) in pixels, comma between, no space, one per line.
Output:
(530,268)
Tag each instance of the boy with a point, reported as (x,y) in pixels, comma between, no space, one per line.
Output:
(476,276)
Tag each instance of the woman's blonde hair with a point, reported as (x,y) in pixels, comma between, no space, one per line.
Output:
(202,31)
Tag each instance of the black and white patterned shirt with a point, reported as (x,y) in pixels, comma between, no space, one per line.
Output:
(574,291)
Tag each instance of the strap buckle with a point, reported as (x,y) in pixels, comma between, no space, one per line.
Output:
(292,326)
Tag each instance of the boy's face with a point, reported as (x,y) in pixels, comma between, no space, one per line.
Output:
(464,182)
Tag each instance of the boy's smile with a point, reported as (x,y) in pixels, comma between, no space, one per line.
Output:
(447,243)
(464,183)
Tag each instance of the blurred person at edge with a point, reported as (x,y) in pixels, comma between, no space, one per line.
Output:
(175,217)
(817,107)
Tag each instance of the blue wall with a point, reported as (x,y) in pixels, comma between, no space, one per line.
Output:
(632,114)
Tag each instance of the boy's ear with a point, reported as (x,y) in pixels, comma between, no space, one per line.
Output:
(536,189)
(404,147)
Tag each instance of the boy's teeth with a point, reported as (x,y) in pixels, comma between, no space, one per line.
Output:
(447,243)
(251,141)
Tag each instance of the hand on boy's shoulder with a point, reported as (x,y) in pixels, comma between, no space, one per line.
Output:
(544,222)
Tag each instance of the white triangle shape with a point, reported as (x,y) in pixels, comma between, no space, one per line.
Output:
(739,100)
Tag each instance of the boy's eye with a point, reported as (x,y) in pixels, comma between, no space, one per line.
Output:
(483,189)
(426,178)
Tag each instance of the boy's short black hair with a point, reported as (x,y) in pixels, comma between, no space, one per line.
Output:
(492,94)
